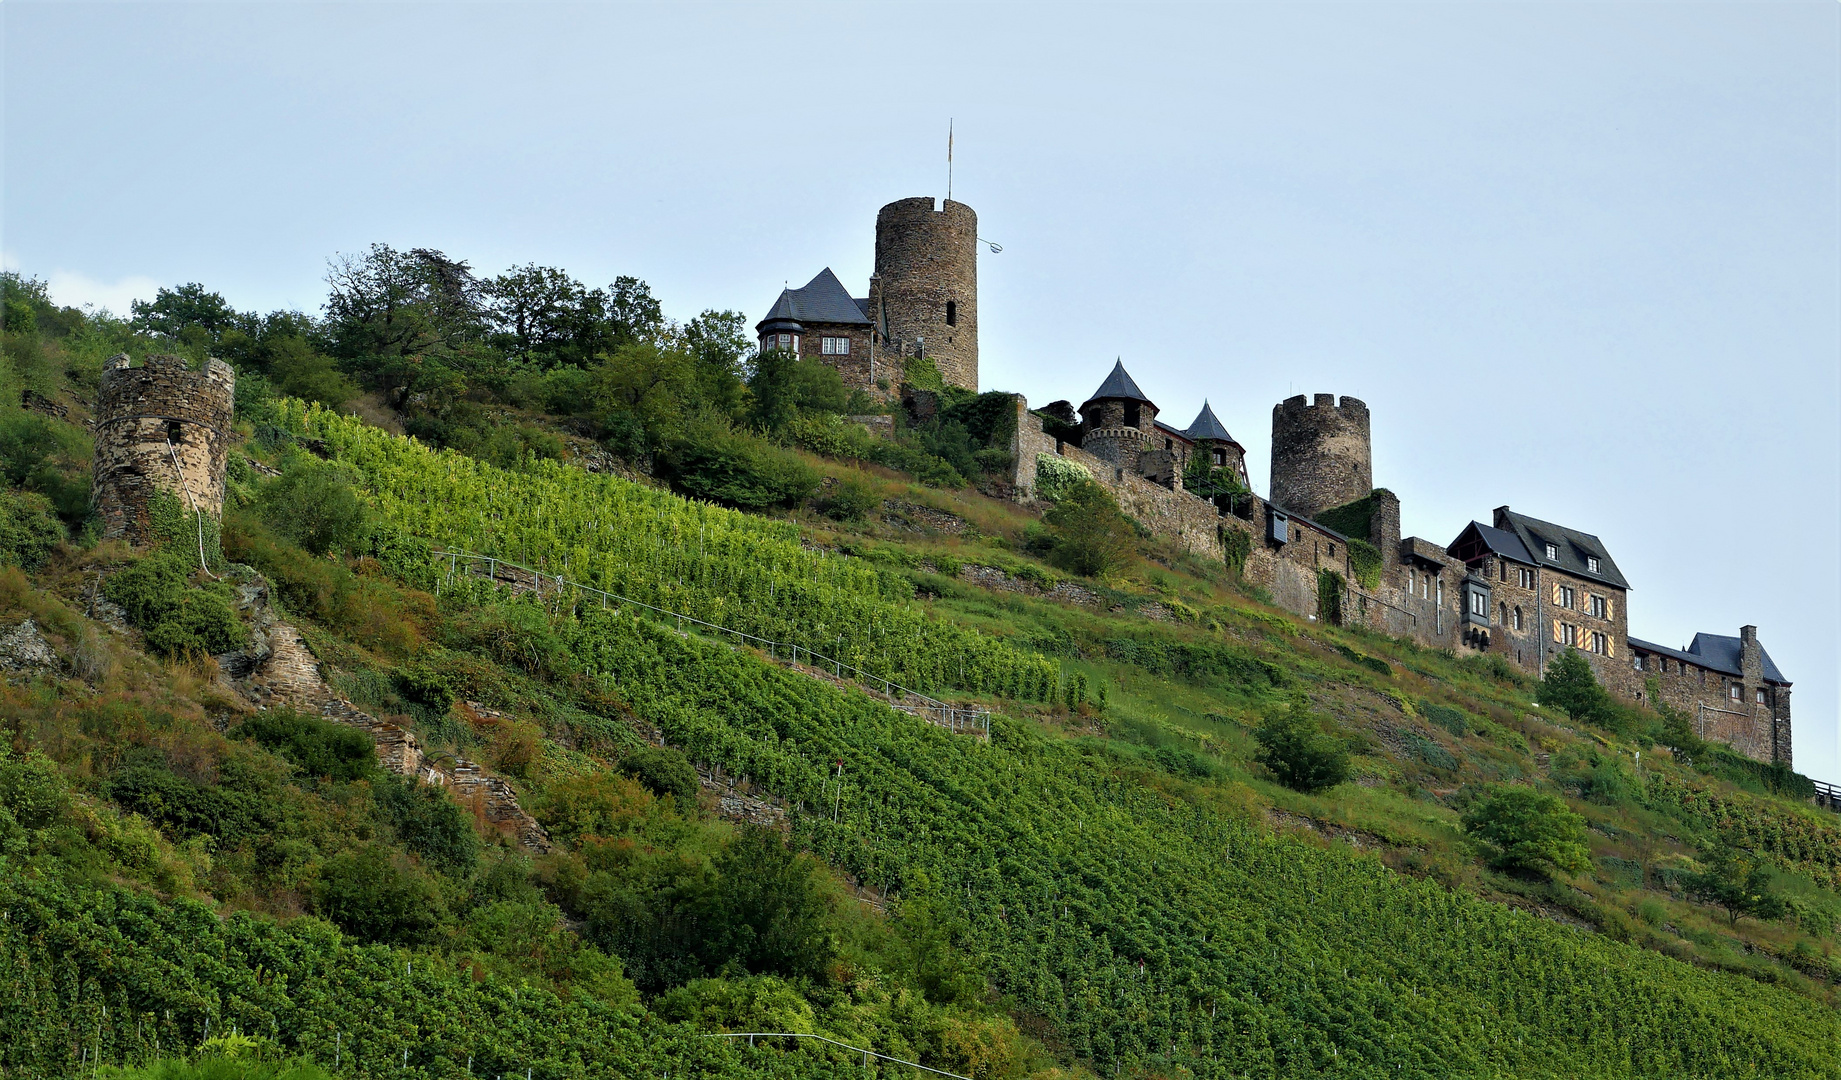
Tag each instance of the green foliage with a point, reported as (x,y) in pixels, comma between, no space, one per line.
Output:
(29,529)
(318,748)
(219,1068)
(1299,752)
(849,500)
(1353,520)
(241,805)
(179,616)
(1330,589)
(1089,535)
(1529,832)
(1365,563)
(1236,548)
(663,771)
(922,373)
(46,458)
(1372,663)
(784,387)
(1737,881)
(735,469)
(376,898)
(1570,686)
(1057,477)
(313,505)
(428,823)
(1206,480)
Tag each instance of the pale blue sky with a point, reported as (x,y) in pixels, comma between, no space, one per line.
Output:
(1579,259)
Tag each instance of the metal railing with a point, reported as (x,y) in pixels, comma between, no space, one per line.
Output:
(942,714)
(867,1054)
(1828,795)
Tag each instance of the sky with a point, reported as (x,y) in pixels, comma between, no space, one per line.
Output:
(1583,260)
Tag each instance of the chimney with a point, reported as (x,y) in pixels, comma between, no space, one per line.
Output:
(1751,658)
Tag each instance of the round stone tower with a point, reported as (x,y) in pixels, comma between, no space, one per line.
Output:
(924,295)
(160,426)
(1320,454)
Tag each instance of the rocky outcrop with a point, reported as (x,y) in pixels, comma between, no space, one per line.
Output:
(24,650)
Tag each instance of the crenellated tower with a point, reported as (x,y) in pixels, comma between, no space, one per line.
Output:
(1320,454)
(160,426)
(923,298)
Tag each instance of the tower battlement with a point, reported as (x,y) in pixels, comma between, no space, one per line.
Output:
(923,297)
(1321,455)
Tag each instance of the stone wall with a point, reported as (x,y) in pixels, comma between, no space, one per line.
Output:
(1759,729)
(160,426)
(1320,454)
(925,260)
(861,368)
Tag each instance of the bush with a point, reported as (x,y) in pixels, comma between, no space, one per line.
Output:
(178,617)
(663,771)
(428,823)
(736,470)
(1056,476)
(235,1067)
(1294,746)
(315,507)
(1089,535)
(1570,686)
(318,748)
(29,529)
(1529,832)
(374,898)
(1737,881)
(849,500)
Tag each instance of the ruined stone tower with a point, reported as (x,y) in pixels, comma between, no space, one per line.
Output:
(924,295)
(1320,454)
(160,426)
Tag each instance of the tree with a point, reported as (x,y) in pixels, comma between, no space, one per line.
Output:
(1570,686)
(784,386)
(172,311)
(1737,881)
(1295,747)
(388,310)
(1530,832)
(770,912)
(718,344)
(1087,532)
(534,311)
(641,391)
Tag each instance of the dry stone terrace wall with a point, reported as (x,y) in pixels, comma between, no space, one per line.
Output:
(160,426)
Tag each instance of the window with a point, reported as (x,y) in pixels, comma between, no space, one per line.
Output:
(1733,691)
(835,346)
(1169,444)
(1332,551)
(1516,618)
(1636,661)
(952,313)
(1502,614)
(1567,596)
(1553,552)
(1598,607)
(175,431)
(1760,696)
(1132,414)
(1591,563)
(1569,634)
(1425,585)
(1479,604)
(1599,643)
(1524,576)
(1220,456)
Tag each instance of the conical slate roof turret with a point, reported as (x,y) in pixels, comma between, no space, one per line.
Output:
(1119,386)
(1208,426)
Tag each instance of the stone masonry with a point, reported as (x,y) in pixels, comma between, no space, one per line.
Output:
(160,426)
(1320,454)
(924,295)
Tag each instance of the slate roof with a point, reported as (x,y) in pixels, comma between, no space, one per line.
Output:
(1118,385)
(823,300)
(1208,426)
(1500,541)
(1178,432)
(1715,652)
(1573,547)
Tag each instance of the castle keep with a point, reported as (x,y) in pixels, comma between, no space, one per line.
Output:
(1327,543)
(160,426)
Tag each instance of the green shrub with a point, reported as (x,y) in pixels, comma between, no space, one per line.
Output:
(1299,753)
(318,748)
(311,504)
(849,500)
(217,1068)
(663,771)
(29,529)
(1453,720)
(1330,587)
(1530,832)
(1088,533)
(373,897)
(736,470)
(1056,476)
(428,823)
(240,806)
(179,617)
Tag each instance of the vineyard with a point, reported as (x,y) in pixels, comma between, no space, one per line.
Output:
(745,573)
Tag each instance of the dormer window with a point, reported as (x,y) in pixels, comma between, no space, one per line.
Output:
(1553,551)
(1591,563)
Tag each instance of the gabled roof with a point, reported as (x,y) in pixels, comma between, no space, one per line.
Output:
(823,300)
(1208,426)
(1572,547)
(1479,539)
(1178,432)
(1724,653)
(1118,385)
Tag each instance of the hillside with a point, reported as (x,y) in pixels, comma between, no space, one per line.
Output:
(743,834)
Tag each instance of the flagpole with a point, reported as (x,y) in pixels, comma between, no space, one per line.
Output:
(949,159)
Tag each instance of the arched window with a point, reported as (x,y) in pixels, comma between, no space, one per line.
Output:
(952,313)
(1516,620)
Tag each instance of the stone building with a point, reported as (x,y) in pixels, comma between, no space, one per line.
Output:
(822,322)
(1729,686)
(160,426)
(1320,453)
(923,301)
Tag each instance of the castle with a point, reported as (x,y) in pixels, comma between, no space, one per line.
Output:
(160,426)
(1326,543)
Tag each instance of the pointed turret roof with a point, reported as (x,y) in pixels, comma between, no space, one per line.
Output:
(1118,385)
(823,300)
(1208,426)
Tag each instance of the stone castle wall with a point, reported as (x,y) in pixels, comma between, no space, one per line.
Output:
(160,426)
(925,260)
(1320,454)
